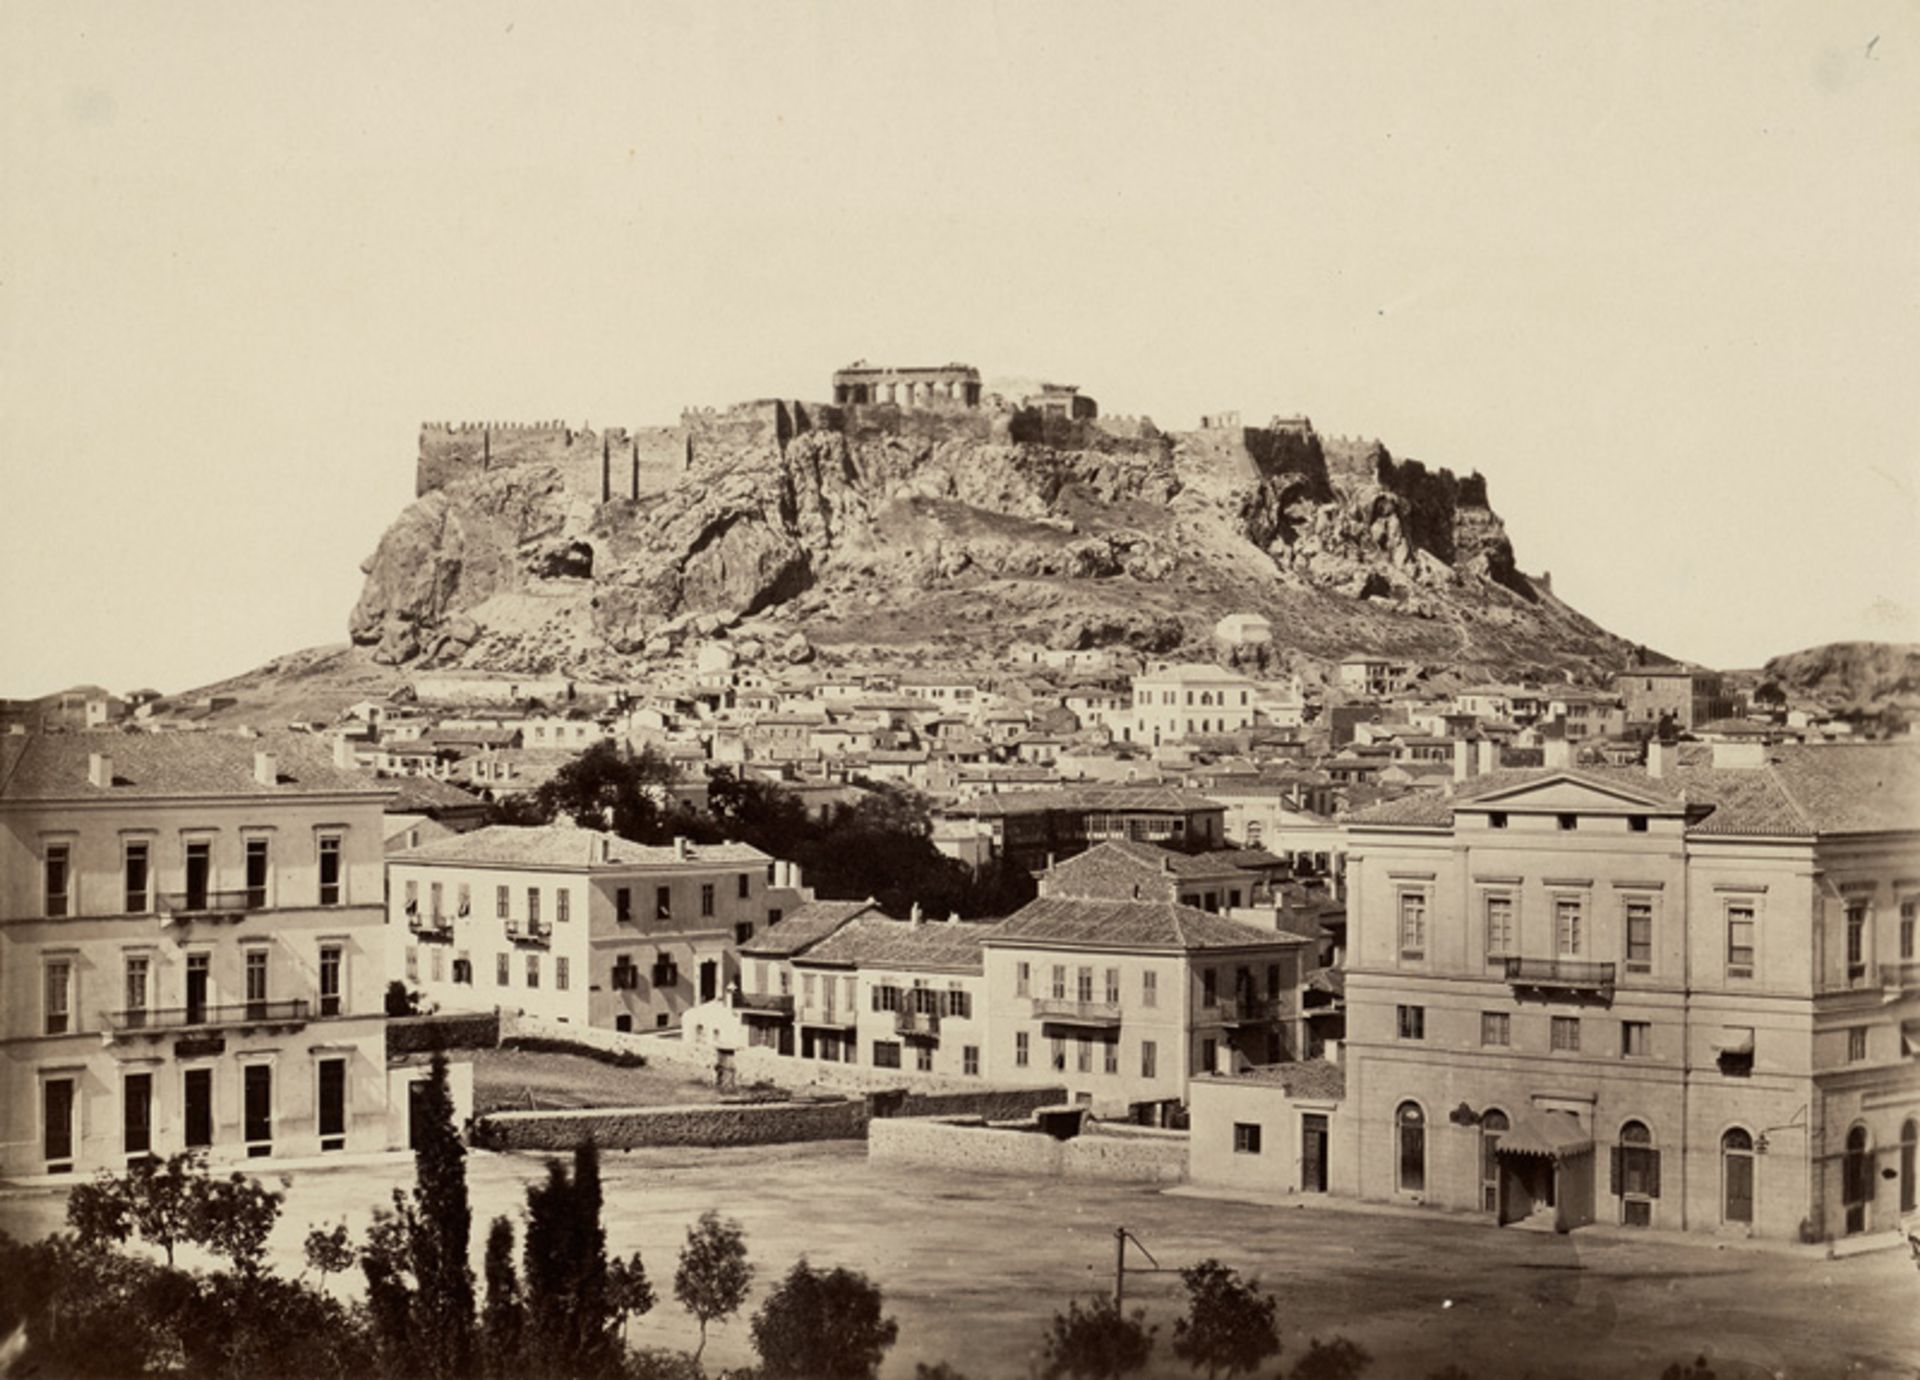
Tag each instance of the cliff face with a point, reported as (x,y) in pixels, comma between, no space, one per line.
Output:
(874,527)
(1868,676)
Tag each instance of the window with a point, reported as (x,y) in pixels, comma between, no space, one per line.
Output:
(1636,1039)
(199,874)
(439,957)
(1736,1177)
(1493,1125)
(463,970)
(1147,1059)
(330,875)
(562,906)
(1567,925)
(1059,982)
(1907,915)
(742,931)
(438,899)
(256,972)
(1413,924)
(58,879)
(502,903)
(1150,988)
(1111,1062)
(137,972)
(1636,824)
(773,914)
(1022,979)
(1083,985)
(1209,1055)
(1113,987)
(666,973)
(1496,819)
(134,873)
(970,1060)
(256,874)
(331,1093)
(560,973)
(533,970)
(1856,940)
(706,899)
(1639,936)
(1740,939)
(1499,926)
(1857,1045)
(56,1118)
(331,958)
(1566,1034)
(256,1081)
(1022,1049)
(923,1058)
(1496,1029)
(502,969)
(1411,1169)
(746,885)
(1569,822)
(533,905)
(1083,1055)
(623,904)
(1413,1022)
(1636,1174)
(663,903)
(136,1114)
(1209,988)
(1856,1179)
(1909,1144)
(1246,1138)
(1059,1053)
(413,963)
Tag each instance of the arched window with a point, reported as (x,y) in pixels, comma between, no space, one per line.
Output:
(1736,1177)
(1636,1174)
(1909,1143)
(1856,1179)
(1493,1125)
(1411,1124)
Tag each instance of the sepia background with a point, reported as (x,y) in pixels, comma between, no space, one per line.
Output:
(1651,269)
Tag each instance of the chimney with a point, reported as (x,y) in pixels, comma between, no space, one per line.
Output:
(1739,756)
(681,849)
(1559,752)
(1489,756)
(1462,760)
(913,917)
(953,917)
(343,752)
(266,771)
(100,769)
(1660,758)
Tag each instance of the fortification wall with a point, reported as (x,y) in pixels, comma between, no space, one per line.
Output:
(977,1146)
(617,462)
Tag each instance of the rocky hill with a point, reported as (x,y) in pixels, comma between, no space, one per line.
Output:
(1865,676)
(788,526)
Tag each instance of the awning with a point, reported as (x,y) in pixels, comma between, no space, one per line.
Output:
(1734,1039)
(1910,1038)
(1554,1135)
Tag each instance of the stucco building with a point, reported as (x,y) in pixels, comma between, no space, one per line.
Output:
(1189,700)
(191,951)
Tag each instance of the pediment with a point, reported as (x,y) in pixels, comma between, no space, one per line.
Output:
(1570,793)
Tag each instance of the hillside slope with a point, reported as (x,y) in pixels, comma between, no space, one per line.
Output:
(1868,676)
(924,531)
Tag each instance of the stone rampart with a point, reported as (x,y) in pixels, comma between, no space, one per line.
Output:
(628,1128)
(978,1146)
(593,465)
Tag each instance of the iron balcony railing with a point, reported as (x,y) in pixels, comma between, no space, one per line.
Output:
(774,1004)
(836,1017)
(166,1019)
(429,923)
(529,931)
(1568,974)
(226,901)
(1252,1010)
(1066,1010)
(916,1023)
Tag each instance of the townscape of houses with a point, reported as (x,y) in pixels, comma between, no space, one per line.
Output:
(1637,953)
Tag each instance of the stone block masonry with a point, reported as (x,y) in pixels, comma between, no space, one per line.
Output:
(626,1128)
(1115,1154)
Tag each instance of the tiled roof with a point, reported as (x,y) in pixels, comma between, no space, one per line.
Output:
(1248,857)
(1424,809)
(1098,924)
(874,941)
(1852,788)
(426,795)
(54,767)
(804,928)
(1113,799)
(1320,1080)
(565,844)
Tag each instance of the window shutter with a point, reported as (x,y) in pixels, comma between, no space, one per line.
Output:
(1653,1173)
(1869,1176)
(1618,1154)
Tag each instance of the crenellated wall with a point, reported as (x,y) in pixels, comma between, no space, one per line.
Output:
(596,465)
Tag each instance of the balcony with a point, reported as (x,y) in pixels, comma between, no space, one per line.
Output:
(1568,977)
(923,1025)
(1900,979)
(1249,1011)
(832,1017)
(529,931)
(764,1006)
(158,1022)
(208,904)
(438,922)
(1099,1015)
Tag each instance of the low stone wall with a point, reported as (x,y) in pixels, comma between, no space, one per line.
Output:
(518,1025)
(971,1143)
(991,1104)
(626,1128)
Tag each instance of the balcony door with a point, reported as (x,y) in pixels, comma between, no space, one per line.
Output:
(199,975)
(257,1084)
(197,1095)
(137,1115)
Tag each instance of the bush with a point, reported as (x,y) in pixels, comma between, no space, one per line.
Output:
(1097,1342)
(822,1325)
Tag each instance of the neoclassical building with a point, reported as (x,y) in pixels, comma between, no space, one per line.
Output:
(949,385)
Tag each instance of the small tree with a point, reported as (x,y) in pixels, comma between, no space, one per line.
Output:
(504,1317)
(712,1280)
(155,1199)
(401,999)
(439,1228)
(1229,1325)
(1096,1342)
(629,1290)
(822,1325)
(233,1217)
(1337,1359)
(329,1252)
(569,1314)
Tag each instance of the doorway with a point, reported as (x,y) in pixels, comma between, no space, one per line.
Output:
(1313,1153)
(709,980)
(198,1097)
(257,1085)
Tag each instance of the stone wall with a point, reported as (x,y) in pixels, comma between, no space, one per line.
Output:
(623,1128)
(629,464)
(1119,1154)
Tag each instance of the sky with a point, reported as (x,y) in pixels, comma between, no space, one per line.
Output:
(1652,269)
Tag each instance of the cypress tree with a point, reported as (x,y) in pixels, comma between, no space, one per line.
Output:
(439,1235)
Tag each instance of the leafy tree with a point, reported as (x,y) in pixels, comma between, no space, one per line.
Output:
(234,1216)
(822,1325)
(712,1280)
(629,1290)
(87,1310)
(611,788)
(401,999)
(570,1314)
(237,1326)
(1335,1359)
(1096,1342)
(504,1318)
(329,1252)
(1229,1325)
(155,1199)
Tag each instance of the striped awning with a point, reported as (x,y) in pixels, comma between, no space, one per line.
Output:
(1552,1135)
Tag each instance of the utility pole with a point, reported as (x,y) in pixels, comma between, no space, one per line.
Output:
(1120,1238)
